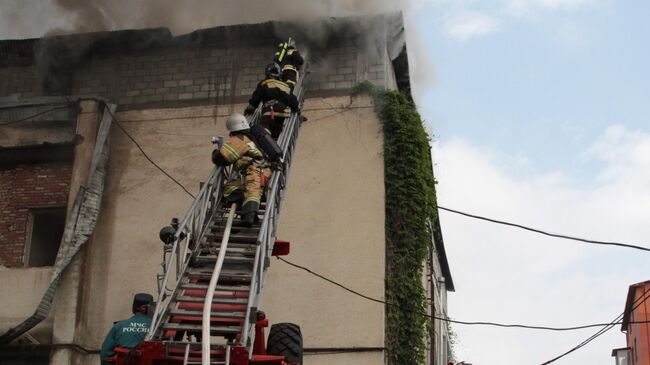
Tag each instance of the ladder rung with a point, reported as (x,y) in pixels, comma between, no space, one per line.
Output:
(202,271)
(227,259)
(183,298)
(218,226)
(198,328)
(246,250)
(235,238)
(234,288)
(185,312)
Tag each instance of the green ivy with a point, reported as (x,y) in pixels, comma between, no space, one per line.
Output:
(410,202)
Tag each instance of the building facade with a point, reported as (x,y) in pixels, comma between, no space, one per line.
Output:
(172,95)
(636,327)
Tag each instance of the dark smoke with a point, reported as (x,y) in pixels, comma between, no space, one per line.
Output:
(79,16)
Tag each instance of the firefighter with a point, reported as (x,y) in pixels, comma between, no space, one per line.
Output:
(278,101)
(240,149)
(129,332)
(290,61)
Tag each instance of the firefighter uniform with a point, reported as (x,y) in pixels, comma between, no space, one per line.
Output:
(278,103)
(290,61)
(240,150)
(127,334)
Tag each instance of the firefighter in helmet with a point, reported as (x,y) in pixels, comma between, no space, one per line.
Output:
(290,61)
(128,333)
(278,101)
(240,149)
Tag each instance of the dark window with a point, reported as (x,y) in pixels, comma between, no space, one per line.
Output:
(24,356)
(44,235)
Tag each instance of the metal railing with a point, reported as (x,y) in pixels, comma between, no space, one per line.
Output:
(188,237)
(195,225)
(266,238)
(189,234)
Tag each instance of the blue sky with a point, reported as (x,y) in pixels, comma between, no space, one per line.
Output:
(540,85)
(541,116)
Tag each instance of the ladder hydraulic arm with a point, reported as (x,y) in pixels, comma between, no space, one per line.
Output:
(214,271)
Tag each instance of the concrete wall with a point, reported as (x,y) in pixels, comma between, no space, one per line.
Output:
(22,289)
(198,73)
(334,218)
(47,124)
(336,228)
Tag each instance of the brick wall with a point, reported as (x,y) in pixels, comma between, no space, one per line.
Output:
(20,82)
(23,187)
(211,74)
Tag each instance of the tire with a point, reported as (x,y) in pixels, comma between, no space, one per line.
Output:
(285,339)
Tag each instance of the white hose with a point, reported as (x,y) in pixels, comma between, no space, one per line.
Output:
(207,304)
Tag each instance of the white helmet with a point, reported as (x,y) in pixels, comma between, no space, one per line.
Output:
(237,122)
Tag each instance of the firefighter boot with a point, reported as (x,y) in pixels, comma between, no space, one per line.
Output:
(249,212)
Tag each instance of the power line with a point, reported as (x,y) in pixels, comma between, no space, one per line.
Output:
(535,230)
(37,114)
(606,326)
(627,245)
(481,323)
(147,156)
(600,332)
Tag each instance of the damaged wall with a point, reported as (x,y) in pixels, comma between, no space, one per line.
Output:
(321,216)
(22,188)
(161,89)
(217,65)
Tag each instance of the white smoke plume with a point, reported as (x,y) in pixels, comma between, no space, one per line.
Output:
(37,18)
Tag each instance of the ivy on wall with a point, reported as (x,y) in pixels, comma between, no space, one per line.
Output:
(410,202)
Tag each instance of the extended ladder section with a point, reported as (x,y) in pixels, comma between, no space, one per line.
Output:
(190,262)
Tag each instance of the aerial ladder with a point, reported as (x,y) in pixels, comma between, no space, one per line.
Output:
(214,269)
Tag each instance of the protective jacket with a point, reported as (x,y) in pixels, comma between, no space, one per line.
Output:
(290,61)
(128,333)
(276,96)
(240,150)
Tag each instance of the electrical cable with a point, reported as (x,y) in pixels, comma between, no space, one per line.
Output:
(627,245)
(482,323)
(117,123)
(37,114)
(600,332)
(606,326)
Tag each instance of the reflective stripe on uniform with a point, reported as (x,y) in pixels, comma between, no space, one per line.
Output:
(230,189)
(252,199)
(284,50)
(231,151)
(289,66)
(254,152)
(277,84)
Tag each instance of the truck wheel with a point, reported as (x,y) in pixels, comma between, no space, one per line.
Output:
(285,339)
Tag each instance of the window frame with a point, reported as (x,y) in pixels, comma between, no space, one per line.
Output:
(32,211)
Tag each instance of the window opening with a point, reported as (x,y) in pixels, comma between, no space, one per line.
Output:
(44,235)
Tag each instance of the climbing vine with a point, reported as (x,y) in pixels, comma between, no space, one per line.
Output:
(410,202)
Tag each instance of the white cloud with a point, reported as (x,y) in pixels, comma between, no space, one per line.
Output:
(509,275)
(525,7)
(463,20)
(563,3)
(467,24)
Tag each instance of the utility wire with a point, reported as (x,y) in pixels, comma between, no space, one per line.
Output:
(601,331)
(494,324)
(117,123)
(37,114)
(606,326)
(627,245)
